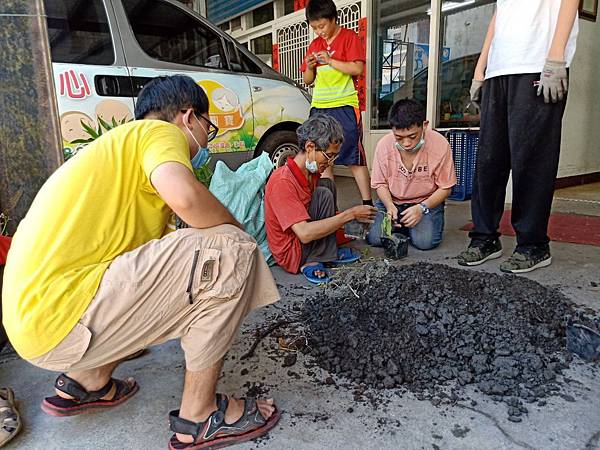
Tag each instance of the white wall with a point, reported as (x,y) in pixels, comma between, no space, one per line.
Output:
(580,152)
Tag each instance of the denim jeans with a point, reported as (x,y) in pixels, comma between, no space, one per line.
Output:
(425,236)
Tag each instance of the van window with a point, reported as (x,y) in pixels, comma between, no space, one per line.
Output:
(234,57)
(167,33)
(79,32)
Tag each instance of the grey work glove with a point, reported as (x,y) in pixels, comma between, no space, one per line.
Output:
(554,81)
(475,92)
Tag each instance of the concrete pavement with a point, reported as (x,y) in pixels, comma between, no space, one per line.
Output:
(316,415)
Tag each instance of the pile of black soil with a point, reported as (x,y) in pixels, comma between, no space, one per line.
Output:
(425,327)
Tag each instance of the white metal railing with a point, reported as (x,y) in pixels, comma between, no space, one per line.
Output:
(293,41)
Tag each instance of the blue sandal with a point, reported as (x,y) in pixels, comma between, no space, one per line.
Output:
(346,255)
(309,274)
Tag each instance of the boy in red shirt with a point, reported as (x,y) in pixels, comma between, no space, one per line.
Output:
(300,207)
(333,61)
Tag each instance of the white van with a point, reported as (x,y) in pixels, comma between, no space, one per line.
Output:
(104,51)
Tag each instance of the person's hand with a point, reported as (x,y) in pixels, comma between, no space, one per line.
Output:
(411,216)
(311,62)
(364,213)
(392,211)
(323,57)
(475,92)
(554,81)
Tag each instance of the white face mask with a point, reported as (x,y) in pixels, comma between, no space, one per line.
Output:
(311,166)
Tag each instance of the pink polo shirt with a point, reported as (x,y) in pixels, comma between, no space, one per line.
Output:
(433,169)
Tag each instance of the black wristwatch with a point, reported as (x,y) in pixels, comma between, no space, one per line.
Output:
(424,208)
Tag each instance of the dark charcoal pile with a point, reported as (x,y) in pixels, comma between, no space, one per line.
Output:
(424,326)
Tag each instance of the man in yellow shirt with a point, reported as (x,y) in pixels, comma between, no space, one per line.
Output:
(90,279)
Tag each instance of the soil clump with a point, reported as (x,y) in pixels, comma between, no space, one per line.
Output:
(429,327)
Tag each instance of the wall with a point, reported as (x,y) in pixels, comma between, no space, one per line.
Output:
(580,153)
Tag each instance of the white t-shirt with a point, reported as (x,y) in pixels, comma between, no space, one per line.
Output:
(523,35)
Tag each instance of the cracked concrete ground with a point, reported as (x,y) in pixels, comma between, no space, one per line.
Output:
(325,416)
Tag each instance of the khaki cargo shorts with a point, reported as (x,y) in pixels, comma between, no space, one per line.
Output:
(196,285)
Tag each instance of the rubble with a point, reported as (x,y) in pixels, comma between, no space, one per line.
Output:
(426,327)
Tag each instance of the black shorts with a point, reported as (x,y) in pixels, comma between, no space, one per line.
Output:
(352,152)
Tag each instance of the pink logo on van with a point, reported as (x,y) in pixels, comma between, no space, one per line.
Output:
(72,86)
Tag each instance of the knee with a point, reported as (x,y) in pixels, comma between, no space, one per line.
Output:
(374,236)
(424,241)
(424,244)
(325,196)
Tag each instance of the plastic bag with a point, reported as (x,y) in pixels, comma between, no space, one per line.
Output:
(243,194)
(583,341)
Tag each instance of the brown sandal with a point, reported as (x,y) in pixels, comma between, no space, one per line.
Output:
(84,401)
(10,420)
(214,432)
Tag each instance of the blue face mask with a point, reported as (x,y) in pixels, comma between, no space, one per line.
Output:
(201,157)
(202,154)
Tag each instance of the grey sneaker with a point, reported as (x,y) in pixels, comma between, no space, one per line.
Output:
(480,252)
(524,261)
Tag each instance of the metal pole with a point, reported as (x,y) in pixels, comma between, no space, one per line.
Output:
(434,61)
(30,146)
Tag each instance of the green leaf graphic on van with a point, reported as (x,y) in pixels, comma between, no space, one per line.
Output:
(93,133)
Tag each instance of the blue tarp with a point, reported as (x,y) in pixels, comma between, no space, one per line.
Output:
(243,193)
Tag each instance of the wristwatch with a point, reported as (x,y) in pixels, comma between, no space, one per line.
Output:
(424,208)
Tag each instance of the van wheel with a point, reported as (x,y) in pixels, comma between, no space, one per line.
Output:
(280,146)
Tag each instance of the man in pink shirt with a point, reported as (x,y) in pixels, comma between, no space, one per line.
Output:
(413,174)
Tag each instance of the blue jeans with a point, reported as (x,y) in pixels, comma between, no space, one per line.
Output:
(425,236)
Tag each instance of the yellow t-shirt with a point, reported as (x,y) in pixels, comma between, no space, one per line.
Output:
(95,207)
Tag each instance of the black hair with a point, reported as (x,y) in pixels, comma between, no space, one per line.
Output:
(165,96)
(321,9)
(405,113)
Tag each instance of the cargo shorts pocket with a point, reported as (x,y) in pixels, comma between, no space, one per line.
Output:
(68,352)
(203,273)
(220,273)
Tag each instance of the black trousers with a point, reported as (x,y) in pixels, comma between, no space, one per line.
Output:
(519,132)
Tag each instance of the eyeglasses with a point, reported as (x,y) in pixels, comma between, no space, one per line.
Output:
(330,157)
(212,131)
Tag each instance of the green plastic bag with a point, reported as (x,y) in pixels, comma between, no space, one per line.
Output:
(243,194)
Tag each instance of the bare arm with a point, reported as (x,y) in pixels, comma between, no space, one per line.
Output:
(564,26)
(354,68)
(311,231)
(188,198)
(485,51)
(385,196)
(310,73)
(309,76)
(413,215)
(437,198)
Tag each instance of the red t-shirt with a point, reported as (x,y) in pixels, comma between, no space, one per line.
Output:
(4,246)
(345,47)
(287,197)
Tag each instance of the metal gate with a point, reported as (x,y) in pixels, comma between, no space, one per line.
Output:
(294,35)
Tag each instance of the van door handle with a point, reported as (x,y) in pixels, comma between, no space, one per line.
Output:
(256,88)
(113,86)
